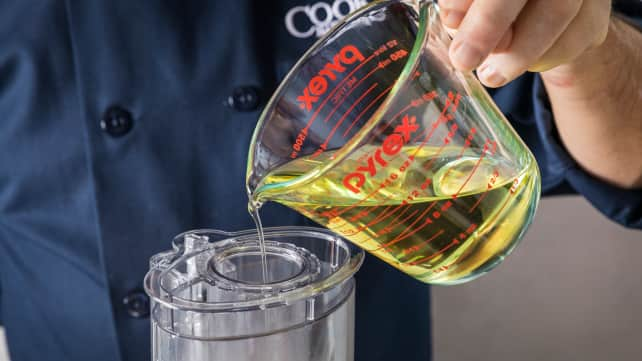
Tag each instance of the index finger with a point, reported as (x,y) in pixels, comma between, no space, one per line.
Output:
(483,27)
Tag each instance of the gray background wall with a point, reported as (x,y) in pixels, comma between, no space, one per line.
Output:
(571,291)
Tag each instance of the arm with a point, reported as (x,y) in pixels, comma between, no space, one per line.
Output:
(591,64)
(597,103)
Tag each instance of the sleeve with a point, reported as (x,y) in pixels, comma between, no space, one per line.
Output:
(631,10)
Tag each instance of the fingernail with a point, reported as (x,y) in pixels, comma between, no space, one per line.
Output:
(453,18)
(490,76)
(465,56)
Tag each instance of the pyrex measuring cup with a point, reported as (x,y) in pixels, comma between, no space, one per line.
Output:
(376,136)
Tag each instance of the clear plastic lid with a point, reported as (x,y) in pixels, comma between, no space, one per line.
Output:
(214,280)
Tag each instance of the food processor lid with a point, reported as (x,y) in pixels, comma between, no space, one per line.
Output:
(216,271)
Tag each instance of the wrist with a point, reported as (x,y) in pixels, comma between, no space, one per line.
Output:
(607,62)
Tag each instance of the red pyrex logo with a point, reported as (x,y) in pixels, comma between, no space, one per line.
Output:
(391,146)
(318,85)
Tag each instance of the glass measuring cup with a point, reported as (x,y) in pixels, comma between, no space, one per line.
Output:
(374,135)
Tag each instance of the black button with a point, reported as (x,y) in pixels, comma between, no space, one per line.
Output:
(116,121)
(244,99)
(137,304)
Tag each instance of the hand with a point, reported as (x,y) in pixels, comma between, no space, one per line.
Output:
(502,39)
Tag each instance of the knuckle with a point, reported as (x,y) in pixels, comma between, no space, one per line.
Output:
(485,33)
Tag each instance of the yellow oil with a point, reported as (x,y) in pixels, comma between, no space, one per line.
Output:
(439,215)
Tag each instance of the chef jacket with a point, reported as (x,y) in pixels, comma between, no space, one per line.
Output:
(124,123)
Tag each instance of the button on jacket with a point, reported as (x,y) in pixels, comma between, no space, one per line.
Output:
(124,123)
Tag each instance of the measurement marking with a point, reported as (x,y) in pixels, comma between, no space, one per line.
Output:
(414,103)
(404,220)
(383,215)
(446,106)
(408,231)
(339,213)
(388,123)
(434,158)
(366,109)
(478,202)
(435,125)
(394,219)
(416,247)
(500,209)
(345,115)
(380,218)
(422,260)
(402,236)
(427,138)
(374,221)
(358,203)
(441,231)
(387,229)
(345,97)
(363,213)
(336,88)
(463,148)
(470,175)
(392,225)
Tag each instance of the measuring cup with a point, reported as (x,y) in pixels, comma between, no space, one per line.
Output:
(376,136)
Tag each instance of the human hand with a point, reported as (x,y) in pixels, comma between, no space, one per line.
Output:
(502,39)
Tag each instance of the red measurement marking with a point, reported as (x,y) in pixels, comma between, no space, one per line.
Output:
(336,213)
(478,202)
(373,102)
(418,246)
(427,96)
(471,228)
(382,216)
(358,203)
(345,97)
(414,103)
(427,138)
(468,141)
(469,175)
(391,226)
(304,131)
(444,268)
(407,207)
(345,115)
(388,123)
(492,220)
(436,123)
(446,106)
(394,224)
(363,213)
(434,158)
(491,182)
(409,231)
(376,220)
(336,88)
(422,260)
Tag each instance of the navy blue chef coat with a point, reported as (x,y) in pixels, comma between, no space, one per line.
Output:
(114,137)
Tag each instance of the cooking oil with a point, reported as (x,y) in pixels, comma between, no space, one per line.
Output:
(438,214)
